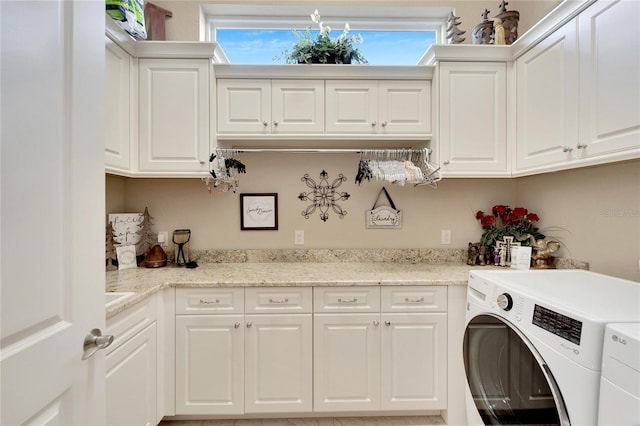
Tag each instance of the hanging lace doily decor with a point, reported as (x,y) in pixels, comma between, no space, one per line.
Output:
(323,196)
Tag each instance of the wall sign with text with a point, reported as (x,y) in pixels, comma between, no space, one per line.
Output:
(259,212)
(383,216)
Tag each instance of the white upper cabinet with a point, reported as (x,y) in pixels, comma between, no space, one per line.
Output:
(579,92)
(120,111)
(267,107)
(386,107)
(547,104)
(174,115)
(610,80)
(473,119)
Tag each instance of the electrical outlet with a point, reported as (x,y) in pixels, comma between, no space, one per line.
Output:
(163,238)
(299,237)
(446,236)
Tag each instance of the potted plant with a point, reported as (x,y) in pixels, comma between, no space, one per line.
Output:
(505,221)
(324,50)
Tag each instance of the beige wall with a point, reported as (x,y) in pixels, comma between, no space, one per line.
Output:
(185,25)
(599,208)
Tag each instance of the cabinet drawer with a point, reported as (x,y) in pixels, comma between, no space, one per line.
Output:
(127,323)
(209,301)
(414,299)
(278,300)
(346,299)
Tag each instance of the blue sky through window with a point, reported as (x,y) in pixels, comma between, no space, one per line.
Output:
(258,46)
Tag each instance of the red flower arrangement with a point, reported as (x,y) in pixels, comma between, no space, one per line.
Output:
(504,220)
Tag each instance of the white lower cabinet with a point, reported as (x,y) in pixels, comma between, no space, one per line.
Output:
(229,361)
(279,350)
(367,360)
(131,362)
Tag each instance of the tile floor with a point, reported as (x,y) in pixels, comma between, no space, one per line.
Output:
(328,421)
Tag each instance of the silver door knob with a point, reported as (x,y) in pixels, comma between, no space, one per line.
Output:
(249,324)
(384,124)
(566,149)
(236,325)
(445,162)
(94,341)
(275,123)
(387,323)
(373,124)
(265,124)
(581,146)
(376,323)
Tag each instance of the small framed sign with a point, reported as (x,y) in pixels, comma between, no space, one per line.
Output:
(259,212)
(385,216)
(126,227)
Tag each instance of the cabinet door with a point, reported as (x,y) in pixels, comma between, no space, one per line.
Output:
(473,116)
(547,102)
(347,362)
(174,115)
(244,106)
(414,361)
(609,82)
(278,363)
(405,107)
(351,106)
(209,364)
(131,381)
(297,106)
(118,111)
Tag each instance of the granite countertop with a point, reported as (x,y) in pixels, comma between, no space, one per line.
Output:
(144,282)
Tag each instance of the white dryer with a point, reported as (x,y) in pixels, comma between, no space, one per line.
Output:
(620,382)
(533,343)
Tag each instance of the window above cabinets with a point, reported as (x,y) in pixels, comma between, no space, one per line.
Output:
(259,35)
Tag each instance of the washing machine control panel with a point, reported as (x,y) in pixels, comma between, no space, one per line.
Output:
(505,301)
(561,325)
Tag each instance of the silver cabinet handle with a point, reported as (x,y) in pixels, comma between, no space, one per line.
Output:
(373,124)
(566,149)
(581,146)
(249,324)
(352,300)
(384,124)
(416,300)
(285,300)
(209,302)
(387,323)
(275,123)
(94,341)
(376,323)
(236,325)
(265,124)
(445,162)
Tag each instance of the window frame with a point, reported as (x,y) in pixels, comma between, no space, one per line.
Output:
(295,17)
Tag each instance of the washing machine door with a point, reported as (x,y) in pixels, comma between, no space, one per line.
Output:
(509,381)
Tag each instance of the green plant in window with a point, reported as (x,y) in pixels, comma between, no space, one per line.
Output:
(324,50)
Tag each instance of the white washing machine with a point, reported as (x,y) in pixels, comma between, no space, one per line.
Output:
(533,343)
(620,382)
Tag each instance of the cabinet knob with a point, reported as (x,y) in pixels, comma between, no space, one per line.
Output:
(202,162)
(445,162)
(265,124)
(236,325)
(249,324)
(373,124)
(581,146)
(384,124)
(387,323)
(566,149)
(275,123)
(376,323)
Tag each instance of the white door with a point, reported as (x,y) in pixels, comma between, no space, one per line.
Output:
(278,363)
(174,115)
(414,373)
(209,364)
(405,107)
(609,82)
(297,106)
(473,116)
(351,106)
(347,362)
(547,104)
(52,201)
(244,106)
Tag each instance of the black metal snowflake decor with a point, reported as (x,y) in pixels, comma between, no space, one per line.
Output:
(324,196)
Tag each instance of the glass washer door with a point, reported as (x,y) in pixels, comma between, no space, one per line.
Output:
(510,382)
